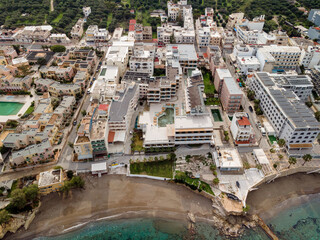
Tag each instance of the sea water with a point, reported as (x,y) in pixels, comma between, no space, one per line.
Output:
(300,221)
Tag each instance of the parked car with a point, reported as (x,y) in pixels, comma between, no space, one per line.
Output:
(251,109)
(74,122)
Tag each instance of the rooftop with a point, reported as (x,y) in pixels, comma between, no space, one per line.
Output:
(49,177)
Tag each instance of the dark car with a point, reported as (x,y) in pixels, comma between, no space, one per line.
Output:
(74,123)
(251,109)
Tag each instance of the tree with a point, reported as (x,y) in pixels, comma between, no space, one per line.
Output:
(250,95)
(317,115)
(213,167)
(58,48)
(292,161)
(306,158)
(31,192)
(18,199)
(216,181)
(70,144)
(272,150)
(4,216)
(309,104)
(41,61)
(69,174)
(281,142)
(77,181)
(83,112)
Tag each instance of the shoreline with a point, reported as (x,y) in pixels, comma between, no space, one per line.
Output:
(165,201)
(283,193)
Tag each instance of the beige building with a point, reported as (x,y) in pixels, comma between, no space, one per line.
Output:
(50,181)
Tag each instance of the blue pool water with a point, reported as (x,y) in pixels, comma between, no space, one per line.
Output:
(297,222)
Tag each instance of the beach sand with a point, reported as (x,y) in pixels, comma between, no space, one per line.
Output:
(283,193)
(117,196)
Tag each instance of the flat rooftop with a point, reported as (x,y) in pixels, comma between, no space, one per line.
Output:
(193,122)
(49,177)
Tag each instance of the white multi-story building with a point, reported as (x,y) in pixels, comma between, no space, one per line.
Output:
(118,56)
(243,50)
(183,53)
(310,57)
(288,115)
(142,62)
(241,129)
(278,57)
(94,34)
(248,64)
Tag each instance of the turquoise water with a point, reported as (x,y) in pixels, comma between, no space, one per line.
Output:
(10,108)
(297,222)
(167,118)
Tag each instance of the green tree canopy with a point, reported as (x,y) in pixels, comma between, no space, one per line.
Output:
(4,216)
(58,48)
(18,199)
(31,192)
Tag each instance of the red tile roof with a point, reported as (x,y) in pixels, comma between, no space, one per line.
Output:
(205,55)
(104,107)
(111,136)
(244,121)
(133,21)
(131,28)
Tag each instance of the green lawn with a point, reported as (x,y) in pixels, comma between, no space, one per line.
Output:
(156,168)
(208,85)
(212,101)
(137,142)
(58,18)
(109,19)
(29,110)
(154,35)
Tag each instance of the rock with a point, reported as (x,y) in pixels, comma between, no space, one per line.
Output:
(12,226)
(191,217)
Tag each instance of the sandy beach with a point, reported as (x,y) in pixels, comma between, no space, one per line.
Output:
(284,192)
(117,196)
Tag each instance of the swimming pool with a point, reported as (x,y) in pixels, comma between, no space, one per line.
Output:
(167,118)
(10,108)
(216,115)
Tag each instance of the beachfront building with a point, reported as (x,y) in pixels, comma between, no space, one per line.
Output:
(50,181)
(288,115)
(229,161)
(241,129)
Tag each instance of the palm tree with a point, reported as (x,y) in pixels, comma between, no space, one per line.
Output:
(292,161)
(281,142)
(306,158)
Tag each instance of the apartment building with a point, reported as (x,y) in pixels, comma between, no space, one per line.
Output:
(94,34)
(168,33)
(275,57)
(140,78)
(59,38)
(310,57)
(118,56)
(241,129)
(248,64)
(57,89)
(315,77)
(30,34)
(228,90)
(99,138)
(142,61)
(194,102)
(288,115)
(243,50)
(34,56)
(12,84)
(227,42)
(185,54)
(173,10)
(122,108)
(314,16)
(33,154)
(77,29)
(234,19)
(57,73)
(314,33)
